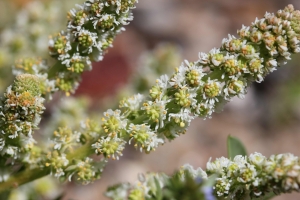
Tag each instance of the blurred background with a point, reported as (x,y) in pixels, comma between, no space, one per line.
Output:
(162,35)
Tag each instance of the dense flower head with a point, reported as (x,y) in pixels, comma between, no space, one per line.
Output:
(27,33)
(91,29)
(143,137)
(57,162)
(255,175)
(20,112)
(109,147)
(64,139)
(113,122)
(91,127)
(37,67)
(84,171)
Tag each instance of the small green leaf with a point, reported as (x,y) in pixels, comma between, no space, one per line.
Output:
(159,194)
(235,147)
(210,182)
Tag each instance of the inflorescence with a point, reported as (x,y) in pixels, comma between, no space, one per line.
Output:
(194,90)
(91,29)
(197,88)
(244,177)
(20,114)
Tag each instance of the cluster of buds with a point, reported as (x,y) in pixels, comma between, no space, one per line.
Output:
(27,35)
(20,113)
(255,175)
(91,29)
(39,68)
(63,166)
(244,177)
(84,170)
(196,88)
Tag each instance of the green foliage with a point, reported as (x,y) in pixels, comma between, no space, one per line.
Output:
(188,189)
(235,147)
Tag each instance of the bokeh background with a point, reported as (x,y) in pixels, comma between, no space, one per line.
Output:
(266,121)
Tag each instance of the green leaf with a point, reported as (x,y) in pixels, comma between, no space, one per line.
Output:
(57,67)
(210,182)
(5,194)
(235,147)
(159,194)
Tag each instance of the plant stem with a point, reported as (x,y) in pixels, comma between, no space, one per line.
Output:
(22,178)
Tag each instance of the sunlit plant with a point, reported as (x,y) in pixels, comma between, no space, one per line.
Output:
(195,89)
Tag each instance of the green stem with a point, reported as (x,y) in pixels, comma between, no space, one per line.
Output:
(22,178)
(81,152)
(30,175)
(54,69)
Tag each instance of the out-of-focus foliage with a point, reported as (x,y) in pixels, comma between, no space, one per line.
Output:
(24,31)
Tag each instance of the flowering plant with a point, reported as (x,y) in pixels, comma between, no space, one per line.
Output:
(79,152)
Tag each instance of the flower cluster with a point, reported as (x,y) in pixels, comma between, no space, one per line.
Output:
(38,68)
(243,177)
(27,36)
(20,114)
(197,88)
(91,29)
(194,90)
(85,170)
(255,175)
(64,142)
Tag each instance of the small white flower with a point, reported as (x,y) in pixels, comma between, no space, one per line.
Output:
(183,118)
(212,54)
(203,58)
(178,79)
(163,83)
(91,36)
(157,107)
(144,137)
(59,172)
(211,100)
(218,165)
(257,159)
(223,185)
(101,147)
(12,151)
(122,122)
(134,102)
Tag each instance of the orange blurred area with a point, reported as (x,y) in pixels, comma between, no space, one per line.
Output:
(20,3)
